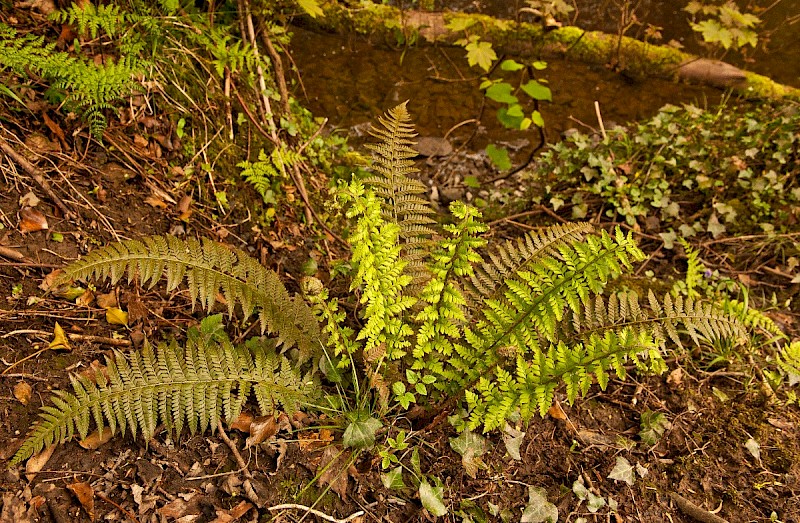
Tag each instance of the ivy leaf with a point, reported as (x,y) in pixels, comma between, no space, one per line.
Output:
(714,227)
(432,498)
(499,157)
(513,440)
(593,502)
(537,91)
(501,92)
(471,447)
(538,509)
(623,471)
(393,479)
(360,434)
(653,426)
(713,32)
(480,54)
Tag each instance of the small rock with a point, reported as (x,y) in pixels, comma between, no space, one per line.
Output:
(432,146)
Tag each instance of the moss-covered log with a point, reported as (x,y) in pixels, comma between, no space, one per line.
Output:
(634,57)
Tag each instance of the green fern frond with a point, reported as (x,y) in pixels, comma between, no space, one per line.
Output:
(701,321)
(196,386)
(208,268)
(91,18)
(400,195)
(506,259)
(753,319)
(789,361)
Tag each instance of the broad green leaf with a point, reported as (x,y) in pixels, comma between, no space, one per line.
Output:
(393,479)
(509,122)
(623,471)
(511,65)
(501,92)
(311,7)
(432,498)
(499,157)
(653,426)
(714,226)
(480,54)
(360,434)
(460,23)
(537,91)
(538,509)
(536,117)
(539,65)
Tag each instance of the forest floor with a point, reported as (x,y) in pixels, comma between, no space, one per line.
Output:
(730,452)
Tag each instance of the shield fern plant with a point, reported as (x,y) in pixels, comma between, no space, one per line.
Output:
(445,318)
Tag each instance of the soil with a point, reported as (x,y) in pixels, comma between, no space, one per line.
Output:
(127,191)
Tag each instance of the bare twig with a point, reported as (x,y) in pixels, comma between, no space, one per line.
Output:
(693,511)
(239,460)
(38,176)
(295,506)
(119,507)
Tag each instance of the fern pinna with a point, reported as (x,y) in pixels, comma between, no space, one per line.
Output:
(196,386)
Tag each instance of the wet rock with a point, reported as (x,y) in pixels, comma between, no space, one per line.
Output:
(711,72)
(432,146)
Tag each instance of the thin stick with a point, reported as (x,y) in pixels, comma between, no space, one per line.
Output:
(693,511)
(239,460)
(600,120)
(110,502)
(262,84)
(294,506)
(38,176)
(103,340)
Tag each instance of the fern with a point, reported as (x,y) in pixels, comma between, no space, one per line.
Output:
(87,17)
(208,268)
(196,386)
(789,361)
(400,195)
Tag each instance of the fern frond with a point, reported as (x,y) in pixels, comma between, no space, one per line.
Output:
(196,386)
(208,268)
(506,259)
(88,17)
(789,361)
(400,195)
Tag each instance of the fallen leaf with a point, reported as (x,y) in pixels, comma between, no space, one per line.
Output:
(96,439)
(37,462)
(13,509)
(32,220)
(51,280)
(432,498)
(675,378)
(262,429)
(333,469)
(85,494)
(513,440)
(116,316)
(556,412)
(471,447)
(623,471)
(29,200)
(155,202)
(85,299)
(22,391)
(242,422)
(225,516)
(60,340)
(538,509)
(752,447)
(56,130)
(106,301)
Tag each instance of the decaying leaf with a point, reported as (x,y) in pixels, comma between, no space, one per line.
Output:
(22,391)
(85,494)
(116,316)
(513,440)
(471,447)
(335,469)
(96,439)
(623,471)
(242,422)
(107,300)
(60,340)
(432,498)
(28,200)
(556,412)
(538,509)
(31,220)
(226,516)
(315,440)
(37,462)
(262,429)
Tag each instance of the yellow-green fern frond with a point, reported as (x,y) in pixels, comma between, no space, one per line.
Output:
(402,198)
(789,361)
(208,268)
(506,259)
(196,386)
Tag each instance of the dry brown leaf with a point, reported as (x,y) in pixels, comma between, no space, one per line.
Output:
(155,202)
(85,299)
(95,368)
(54,128)
(242,422)
(11,254)
(315,440)
(140,141)
(22,391)
(136,309)
(225,516)
(334,469)
(675,378)
(96,439)
(262,429)
(29,200)
(85,494)
(37,462)
(106,301)
(31,220)
(50,280)
(556,411)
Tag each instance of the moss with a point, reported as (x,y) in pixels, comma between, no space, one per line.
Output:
(635,57)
